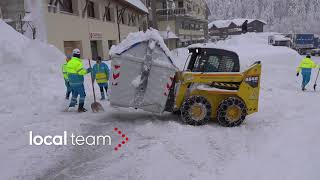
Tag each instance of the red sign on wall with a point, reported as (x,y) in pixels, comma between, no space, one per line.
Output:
(95,36)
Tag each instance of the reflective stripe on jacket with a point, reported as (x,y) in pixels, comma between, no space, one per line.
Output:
(75,71)
(101,73)
(64,72)
(306,63)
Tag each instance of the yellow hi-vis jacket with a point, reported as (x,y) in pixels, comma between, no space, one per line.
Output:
(64,71)
(75,66)
(76,71)
(306,63)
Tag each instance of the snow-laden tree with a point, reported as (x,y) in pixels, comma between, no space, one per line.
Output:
(296,16)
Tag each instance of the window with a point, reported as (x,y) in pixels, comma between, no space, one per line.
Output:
(212,64)
(111,43)
(227,64)
(199,63)
(66,6)
(180,4)
(91,12)
(107,14)
(130,19)
(70,45)
(182,25)
(148,3)
(133,20)
(217,62)
(123,18)
(189,8)
(164,5)
(192,26)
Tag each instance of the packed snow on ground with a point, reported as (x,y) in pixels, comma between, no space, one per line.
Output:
(279,142)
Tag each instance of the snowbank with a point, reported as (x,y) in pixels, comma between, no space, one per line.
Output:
(28,68)
(31,84)
(253,47)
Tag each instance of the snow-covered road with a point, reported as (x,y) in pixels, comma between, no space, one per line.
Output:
(279,142)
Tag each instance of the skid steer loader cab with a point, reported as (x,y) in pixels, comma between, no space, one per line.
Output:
(213,60)
(212,87)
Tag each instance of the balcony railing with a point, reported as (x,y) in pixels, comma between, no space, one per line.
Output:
(172,12)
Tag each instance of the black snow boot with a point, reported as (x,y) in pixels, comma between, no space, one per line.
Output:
(81,108)
(68,95)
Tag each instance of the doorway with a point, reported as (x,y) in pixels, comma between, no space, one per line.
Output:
(70,45)
(96,49)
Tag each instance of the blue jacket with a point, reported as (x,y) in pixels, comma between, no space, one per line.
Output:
(100,72)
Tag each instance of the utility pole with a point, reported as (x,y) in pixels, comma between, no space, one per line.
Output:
(154,14)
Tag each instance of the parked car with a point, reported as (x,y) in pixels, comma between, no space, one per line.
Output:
(315,52)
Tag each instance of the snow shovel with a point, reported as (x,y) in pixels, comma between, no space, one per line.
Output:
(315,83)
(95,106)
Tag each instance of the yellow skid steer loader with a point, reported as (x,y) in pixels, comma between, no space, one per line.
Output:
(212,87)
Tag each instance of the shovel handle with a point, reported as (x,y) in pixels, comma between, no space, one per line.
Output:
(315,83)
(92,84)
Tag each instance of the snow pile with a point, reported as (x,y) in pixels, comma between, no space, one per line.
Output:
(253,47)
(31,84)
(28,67)
(138,37)
(37,9)
(180,57)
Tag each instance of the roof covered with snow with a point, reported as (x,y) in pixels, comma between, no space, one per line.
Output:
(138,4)
(226,23)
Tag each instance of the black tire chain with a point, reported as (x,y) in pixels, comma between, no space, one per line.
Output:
(186,117)
(222,108)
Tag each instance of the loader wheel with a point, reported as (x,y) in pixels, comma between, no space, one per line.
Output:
(196,111)
(231,112)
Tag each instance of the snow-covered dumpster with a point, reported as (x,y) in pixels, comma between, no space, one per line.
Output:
(142,72)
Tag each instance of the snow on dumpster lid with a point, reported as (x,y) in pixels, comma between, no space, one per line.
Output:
(138,4)
(138,37)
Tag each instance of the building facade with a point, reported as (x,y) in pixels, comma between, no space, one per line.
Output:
(93,26)
(187,19)
(224,28)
